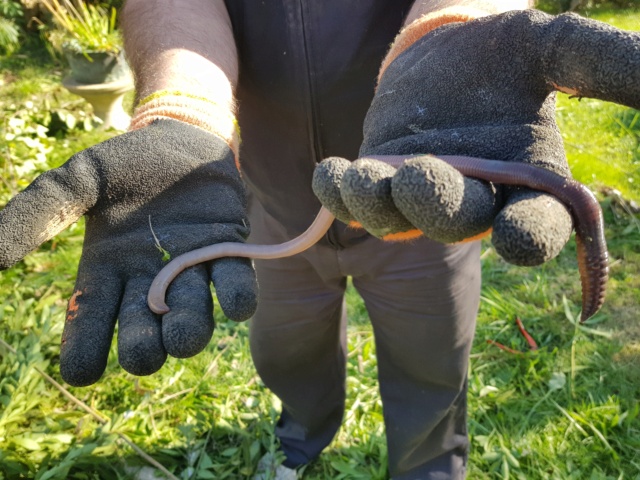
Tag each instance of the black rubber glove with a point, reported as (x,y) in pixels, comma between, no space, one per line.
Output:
(484,88)
(180,180)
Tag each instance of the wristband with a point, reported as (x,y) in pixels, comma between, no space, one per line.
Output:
(190,108)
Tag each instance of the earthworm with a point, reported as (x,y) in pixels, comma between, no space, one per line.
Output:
(593,258)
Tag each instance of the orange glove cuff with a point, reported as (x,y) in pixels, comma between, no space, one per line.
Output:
(415,233)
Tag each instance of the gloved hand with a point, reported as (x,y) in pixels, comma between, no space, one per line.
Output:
(484,88)
(169,179)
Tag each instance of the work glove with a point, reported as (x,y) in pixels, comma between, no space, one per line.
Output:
(168,183)
(484,88)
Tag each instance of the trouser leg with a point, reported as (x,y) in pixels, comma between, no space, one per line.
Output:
(298,344)
(422,300)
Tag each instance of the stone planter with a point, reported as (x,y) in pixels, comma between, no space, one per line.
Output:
(97,67)
(102,80)
(106,99)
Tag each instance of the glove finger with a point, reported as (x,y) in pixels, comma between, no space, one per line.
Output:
(140,347)
(327,178)
(52,202)
(236,287)
(445,205)
(88,330)
(588,58)
(366,192)
(188,327)
(531,229)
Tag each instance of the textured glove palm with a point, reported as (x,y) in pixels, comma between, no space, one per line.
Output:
(170,180)
(482,88)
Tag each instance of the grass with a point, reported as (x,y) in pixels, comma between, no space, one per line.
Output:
(568,410)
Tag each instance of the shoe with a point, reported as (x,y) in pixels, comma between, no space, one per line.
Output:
(270,468)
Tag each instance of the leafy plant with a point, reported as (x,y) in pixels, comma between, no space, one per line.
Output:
(81,27)
(11,9)
(9,35)
(27,138)
(10,13)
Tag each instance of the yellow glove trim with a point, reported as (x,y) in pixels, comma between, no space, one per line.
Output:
(173,93)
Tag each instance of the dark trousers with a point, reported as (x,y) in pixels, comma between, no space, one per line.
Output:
(422,299)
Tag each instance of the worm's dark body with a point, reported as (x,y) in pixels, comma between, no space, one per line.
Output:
(593,257)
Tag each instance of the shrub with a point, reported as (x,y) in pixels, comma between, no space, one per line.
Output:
(10,16)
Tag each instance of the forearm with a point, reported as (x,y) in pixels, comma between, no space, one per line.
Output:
(183,45)
(422,7)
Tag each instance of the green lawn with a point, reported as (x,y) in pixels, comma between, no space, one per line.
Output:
(566,411)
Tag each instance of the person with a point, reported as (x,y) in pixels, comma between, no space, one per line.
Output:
(301,81)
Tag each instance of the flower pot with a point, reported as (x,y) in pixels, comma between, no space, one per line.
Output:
(97,67)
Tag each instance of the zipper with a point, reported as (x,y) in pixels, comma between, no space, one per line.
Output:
(312,117)
(310,77)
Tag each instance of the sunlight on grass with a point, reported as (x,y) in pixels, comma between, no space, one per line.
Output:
(602,141)
(627,19)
